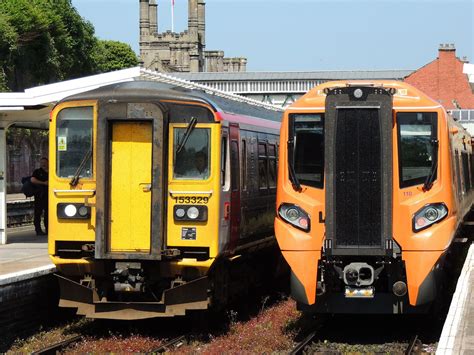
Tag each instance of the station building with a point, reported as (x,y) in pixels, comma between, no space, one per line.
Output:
(184,51)
(450,81)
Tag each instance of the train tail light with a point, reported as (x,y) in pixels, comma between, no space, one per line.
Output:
(295,216)
(429,215)
(226,210)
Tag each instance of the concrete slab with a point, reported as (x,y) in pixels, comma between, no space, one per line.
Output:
(12,198)
(457,336)
(25,255)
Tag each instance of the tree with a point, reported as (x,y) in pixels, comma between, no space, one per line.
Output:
(44,41)
(113,55)
(8,39)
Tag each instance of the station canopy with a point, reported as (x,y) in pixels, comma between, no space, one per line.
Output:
(31,108)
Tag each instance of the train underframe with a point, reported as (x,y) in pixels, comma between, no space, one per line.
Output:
(370,285)
(381,286)
(118,289)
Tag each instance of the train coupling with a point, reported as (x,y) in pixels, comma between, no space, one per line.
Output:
(128,277)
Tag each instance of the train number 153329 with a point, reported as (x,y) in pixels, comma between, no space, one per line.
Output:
(191,199)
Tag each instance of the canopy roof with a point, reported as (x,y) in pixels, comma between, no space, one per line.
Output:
(31,108)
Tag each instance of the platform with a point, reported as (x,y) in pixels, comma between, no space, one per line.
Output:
(15,198)
(25,256)
(457,336)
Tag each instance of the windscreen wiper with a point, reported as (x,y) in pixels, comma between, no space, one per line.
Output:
(434,167)
(189,129)
(75,179)
(294,180)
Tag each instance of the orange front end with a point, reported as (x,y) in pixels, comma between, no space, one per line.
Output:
(368,201)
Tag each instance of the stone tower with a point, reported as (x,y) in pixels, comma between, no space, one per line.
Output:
(181,52)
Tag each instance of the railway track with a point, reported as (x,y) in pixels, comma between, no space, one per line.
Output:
(169,345)
(413,345)
(53,349)
(298,350)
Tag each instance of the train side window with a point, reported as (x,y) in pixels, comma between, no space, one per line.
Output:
(272,166)
(416,133)
(262,166)
(307,153)
(471,158)
(234,165)
(74,141)
(223,160)
(465,170)
(243,169)
(458,174)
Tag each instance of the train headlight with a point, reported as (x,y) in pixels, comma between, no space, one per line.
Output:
(358,93)
(180,212)
(193,213)
(83,211)
(73,211)
(70,210)
(190,213)
(295,216)
(428,215)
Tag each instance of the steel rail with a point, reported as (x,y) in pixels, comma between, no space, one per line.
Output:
(412,345)
(52,349)
(298,349)
(173,342)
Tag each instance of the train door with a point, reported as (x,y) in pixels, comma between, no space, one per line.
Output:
(234,135)
(224,227)
(130,186)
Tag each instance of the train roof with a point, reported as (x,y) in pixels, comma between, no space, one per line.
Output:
(406,96)
(150,90)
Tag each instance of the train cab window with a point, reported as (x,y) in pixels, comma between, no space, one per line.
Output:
(307,152)
(262,166)
(417,135)
(74,142)
(192,153)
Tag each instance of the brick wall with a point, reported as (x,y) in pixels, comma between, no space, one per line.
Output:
(26,306)
(444,81)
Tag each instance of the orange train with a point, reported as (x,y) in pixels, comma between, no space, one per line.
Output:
(374,181)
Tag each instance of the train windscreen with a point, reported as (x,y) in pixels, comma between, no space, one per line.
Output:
(416,134)
(307,132)
(192,153)
(74,141)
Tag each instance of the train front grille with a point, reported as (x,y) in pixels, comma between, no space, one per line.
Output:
(358,185)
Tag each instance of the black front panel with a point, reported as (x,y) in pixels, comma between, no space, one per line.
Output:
(358,184)
(358,130)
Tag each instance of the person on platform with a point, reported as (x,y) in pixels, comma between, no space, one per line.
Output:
(40,180)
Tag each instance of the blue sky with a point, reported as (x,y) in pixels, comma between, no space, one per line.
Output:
(302,35)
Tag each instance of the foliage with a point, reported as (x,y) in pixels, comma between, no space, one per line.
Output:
(44,41)
(113,55)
